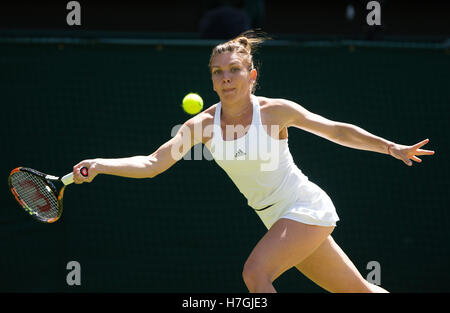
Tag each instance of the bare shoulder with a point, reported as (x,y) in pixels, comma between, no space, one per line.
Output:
(203,118)
(276,103)
(277,110)
(200,122)
(209,113)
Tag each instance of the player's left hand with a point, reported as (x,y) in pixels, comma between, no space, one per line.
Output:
(408,153)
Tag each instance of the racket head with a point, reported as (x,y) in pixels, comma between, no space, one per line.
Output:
(37,195)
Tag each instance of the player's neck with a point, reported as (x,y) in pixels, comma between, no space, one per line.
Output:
(238,110)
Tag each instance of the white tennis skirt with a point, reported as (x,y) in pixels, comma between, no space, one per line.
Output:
(309,205)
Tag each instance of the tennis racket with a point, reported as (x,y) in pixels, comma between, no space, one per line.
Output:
(40,194)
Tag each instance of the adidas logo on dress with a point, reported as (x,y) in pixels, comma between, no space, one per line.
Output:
(239,153)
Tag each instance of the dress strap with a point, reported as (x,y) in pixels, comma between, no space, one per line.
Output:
(256,111)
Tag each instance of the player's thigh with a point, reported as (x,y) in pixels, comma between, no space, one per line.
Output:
(284,245)
(330,268)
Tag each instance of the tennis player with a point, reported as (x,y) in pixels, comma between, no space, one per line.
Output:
(299,215)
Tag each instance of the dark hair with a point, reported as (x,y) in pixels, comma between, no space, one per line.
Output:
(244,44)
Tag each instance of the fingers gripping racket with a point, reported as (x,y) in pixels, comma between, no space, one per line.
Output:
(40,194)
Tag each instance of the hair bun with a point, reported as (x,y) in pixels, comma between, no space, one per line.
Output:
(243,41)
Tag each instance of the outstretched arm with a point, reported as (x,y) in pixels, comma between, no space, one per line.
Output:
(141,166)
(349,135)
(355,137)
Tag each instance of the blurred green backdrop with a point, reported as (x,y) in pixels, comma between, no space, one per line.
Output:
(189,229)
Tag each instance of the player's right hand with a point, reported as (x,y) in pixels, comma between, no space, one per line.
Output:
(92,172)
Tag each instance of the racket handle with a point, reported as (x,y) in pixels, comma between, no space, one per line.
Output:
(68,179)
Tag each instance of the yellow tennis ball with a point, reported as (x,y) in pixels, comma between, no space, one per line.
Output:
(192,103)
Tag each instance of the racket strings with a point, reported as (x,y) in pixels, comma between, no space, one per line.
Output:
(35,194)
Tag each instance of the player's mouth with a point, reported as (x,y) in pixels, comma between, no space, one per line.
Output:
(228,90)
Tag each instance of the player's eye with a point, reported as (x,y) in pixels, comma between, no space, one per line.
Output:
(234,69)
(216,72)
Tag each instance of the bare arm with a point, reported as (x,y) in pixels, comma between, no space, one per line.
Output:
(349,135)
(353,136)
(142,166)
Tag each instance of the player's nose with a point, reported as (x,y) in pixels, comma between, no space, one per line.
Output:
(226,77)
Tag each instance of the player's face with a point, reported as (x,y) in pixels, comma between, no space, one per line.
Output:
(231,77)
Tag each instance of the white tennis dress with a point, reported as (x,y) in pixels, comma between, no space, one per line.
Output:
(265,173)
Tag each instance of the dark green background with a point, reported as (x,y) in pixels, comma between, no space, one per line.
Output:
(189,229)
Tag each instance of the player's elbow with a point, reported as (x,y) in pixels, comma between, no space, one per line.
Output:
(156,165)
(150,167)
(344,132)
(336,132)
(151,174)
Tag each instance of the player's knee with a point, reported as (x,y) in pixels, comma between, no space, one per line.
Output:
(254,274)
(249,272)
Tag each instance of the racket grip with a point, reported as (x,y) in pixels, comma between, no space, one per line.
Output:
(68,179)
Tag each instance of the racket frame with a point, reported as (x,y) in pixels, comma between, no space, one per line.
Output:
(48,179)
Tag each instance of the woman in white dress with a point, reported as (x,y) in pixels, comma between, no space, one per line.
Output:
(247,136)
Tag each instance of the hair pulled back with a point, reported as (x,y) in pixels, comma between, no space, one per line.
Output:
(244,44)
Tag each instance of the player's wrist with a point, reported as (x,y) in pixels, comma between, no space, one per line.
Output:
(389,147)
(98,166)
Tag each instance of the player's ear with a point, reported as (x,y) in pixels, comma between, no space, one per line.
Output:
(253,75)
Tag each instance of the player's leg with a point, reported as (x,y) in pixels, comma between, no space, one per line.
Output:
(330,268)
(285,244)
